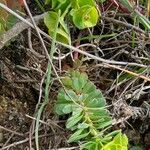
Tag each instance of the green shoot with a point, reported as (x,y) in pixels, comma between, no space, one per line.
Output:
(89,118)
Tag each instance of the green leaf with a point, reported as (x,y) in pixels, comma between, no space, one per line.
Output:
(91,145)
(96,95)
(89,87)
(75,84)
(71,95)
(11,20)
(67,109)
(67,82)
(74,4)
(107,122)
(76,81)
(63,102)
(62,97)
(57,3)
(47,2)
(94,102)
(83,125)
(85,17)
(79,3)
(120,142)
(62,36)
(64,26)
(59,108)
(50,20)
(2,29)
(79,134)
(113,133)
(86,2)
(121,139)
(74,119)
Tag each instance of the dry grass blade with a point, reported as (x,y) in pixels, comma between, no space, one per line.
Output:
(129,72)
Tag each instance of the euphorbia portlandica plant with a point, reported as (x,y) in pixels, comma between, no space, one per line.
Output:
(89,119)
(83,13)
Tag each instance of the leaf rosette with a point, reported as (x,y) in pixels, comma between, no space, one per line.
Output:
(85,17)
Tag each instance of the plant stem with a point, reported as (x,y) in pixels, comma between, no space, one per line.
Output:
(48,81)
(40,5)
